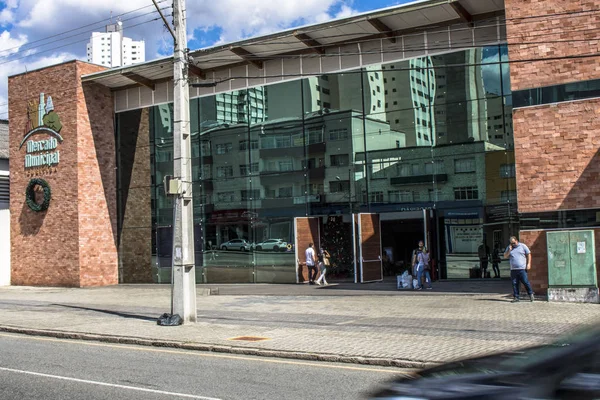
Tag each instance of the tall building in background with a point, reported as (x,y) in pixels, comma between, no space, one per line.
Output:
(410,88)
(112,49)
(460,102)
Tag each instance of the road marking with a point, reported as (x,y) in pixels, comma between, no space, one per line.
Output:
(346,322)
(114,385)
(249,338)
(408,371)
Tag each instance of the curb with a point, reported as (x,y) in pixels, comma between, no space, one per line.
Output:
(298,355)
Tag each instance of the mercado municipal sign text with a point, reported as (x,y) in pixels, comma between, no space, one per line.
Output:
(42,119)
(47,156)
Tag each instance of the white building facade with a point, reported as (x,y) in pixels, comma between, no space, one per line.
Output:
(112,49)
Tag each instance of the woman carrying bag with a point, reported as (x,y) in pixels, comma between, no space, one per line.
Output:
(323,264)
(423,269)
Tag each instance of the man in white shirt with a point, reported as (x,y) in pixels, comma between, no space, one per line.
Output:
(310,264)
(520,262)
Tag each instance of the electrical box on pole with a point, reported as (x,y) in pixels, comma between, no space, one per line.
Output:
(172,186)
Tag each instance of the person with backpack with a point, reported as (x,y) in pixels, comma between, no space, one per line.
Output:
(423,266)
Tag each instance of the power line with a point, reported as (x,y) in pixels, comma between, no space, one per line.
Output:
(67,37)
(425,28)
(69,44)
(81,27)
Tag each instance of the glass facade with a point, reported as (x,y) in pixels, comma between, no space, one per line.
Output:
(426,143)
(557,93)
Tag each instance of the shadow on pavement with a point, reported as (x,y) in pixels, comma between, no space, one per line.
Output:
(387,287)
(475,286)
(117,313)
(507,299)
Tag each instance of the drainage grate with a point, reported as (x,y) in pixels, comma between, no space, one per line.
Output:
(249,338)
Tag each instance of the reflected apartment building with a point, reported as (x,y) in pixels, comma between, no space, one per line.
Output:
(280,163)
(416,141)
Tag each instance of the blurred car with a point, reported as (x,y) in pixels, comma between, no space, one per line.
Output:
(236,244)
(271,244)
(566,369)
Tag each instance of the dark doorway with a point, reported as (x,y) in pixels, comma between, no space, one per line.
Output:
(399,238)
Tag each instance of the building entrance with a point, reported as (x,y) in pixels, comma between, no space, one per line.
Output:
(401,233)
(400,238)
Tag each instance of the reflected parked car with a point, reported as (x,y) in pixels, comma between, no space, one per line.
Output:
(236,244)
(566,369)
(271,244)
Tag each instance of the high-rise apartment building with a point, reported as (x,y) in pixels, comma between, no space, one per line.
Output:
(112,49)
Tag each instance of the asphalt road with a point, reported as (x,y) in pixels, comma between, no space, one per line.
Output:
(47,368)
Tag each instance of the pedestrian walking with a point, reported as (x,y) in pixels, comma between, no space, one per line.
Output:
(310,263)
(423,266)
(496,260)
(520,263)
(323,264)
(484,255)
(414,259)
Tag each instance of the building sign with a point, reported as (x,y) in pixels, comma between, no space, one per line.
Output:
(42,120)
(501,213)
(41,140)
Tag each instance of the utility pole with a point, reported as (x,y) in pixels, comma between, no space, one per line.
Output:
(183,265)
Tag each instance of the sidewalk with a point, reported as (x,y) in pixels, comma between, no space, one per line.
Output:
(346,323)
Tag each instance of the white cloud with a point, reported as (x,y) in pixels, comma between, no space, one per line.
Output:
(9,44)
(345,12)
(7,15)
(257,17)
(38,13)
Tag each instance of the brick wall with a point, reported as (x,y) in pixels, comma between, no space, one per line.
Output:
(46,247)
(135,243)
(552,36)
(97,184)
(538,275)
(556,150)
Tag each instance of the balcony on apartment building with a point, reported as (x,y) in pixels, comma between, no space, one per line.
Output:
(269,178)
(280,202)
(418,179)
(207,185)
(293,151)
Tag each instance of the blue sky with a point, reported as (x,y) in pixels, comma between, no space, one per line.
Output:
(30,39)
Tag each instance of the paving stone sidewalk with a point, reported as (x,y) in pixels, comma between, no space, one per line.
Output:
(402,328)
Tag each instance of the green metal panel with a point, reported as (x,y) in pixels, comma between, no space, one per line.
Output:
(583,258)
(559,259)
